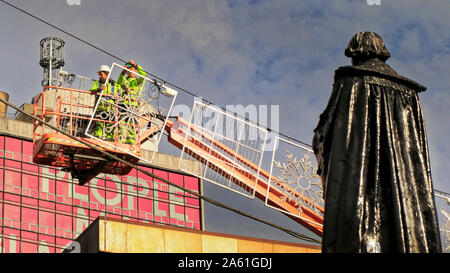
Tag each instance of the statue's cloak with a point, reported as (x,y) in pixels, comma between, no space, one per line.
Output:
(373,159)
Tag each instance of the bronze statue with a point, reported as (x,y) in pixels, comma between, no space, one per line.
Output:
(372,151)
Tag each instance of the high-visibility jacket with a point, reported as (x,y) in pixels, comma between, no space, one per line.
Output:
(111,89)
(135,86)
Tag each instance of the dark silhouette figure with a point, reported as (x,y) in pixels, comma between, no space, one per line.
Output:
(372,151)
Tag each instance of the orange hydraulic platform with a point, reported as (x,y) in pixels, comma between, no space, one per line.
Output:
(53,148)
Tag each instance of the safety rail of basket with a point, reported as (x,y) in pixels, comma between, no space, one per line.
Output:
(66,108)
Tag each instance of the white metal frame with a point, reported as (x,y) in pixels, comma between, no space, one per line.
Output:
(172,92)
(233,159)
(275,148)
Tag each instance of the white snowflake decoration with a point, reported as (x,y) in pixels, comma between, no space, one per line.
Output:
(298,180)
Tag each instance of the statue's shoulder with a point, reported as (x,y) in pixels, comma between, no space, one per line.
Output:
(376,68)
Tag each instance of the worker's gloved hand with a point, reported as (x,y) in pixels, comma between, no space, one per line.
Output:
(131,64)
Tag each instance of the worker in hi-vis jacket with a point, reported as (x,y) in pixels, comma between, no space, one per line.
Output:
(131,86)
(104,130)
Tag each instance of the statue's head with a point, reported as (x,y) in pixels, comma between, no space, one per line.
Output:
(366,45)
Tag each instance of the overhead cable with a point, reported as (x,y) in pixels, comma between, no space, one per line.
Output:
(149,73)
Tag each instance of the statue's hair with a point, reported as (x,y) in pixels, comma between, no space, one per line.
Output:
(367,45)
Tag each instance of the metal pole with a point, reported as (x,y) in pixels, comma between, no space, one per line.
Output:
(50,65)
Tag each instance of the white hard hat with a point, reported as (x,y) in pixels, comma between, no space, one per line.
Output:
(104,68)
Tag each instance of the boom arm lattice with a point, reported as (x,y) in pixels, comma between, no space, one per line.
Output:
(210,155)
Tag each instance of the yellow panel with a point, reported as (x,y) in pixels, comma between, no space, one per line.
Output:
(101,236)
(116,237)
(290,249)
(216,244)
(247,246)
(312,250)
(143,239)
(182,242)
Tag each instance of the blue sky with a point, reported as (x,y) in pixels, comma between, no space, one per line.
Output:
(281,52)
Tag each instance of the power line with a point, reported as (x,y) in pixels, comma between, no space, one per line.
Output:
(152,75)
(442,193)
(60,29)
(207,199)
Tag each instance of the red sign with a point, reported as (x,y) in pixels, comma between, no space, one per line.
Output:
(43,209)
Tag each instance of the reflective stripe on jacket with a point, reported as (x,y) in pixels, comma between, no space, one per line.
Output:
(134,84)
(111,89)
